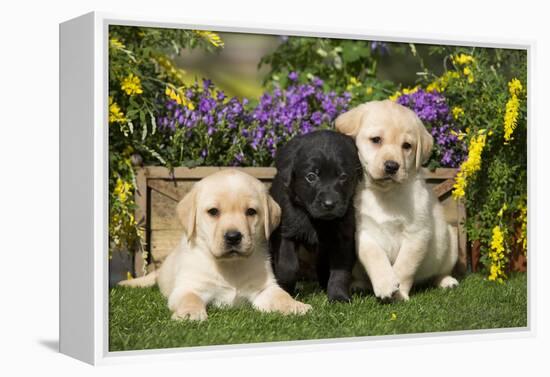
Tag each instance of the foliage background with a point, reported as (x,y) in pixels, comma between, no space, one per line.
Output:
(184,97)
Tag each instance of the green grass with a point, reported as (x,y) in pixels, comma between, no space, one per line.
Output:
(140,319)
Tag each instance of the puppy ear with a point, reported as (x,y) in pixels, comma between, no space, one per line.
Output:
(187,212)
(284,160)
(349,122)
(424,145)
(272,215)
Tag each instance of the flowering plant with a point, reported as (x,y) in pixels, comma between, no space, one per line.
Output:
(140,65)
(207,128)
(285,113)
(433,110)
(343,65)
(485,92)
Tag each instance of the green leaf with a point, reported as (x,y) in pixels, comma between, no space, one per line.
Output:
(153,123)
(353,51)
(155,154)
(143,125)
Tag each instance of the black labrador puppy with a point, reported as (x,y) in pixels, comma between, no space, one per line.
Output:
(316,178)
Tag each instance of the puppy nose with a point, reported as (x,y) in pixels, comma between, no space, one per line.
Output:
(328,204)
(391,167)
(233,237)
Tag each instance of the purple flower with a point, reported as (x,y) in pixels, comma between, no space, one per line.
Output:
(380,47)
(206,104)
(317,118)
(293,76)
(206,85)
(317,81)
(279,115)
(433,110)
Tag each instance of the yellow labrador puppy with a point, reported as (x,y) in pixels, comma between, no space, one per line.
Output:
(223,256)
(402,236)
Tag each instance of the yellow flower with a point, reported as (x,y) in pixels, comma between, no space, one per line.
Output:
(395,96)
(115,114)
(411,90)
(131,85)
(459,135)
(512,109)
(471,165)
(515,87)
(496,255)
(462,59)
(369,90)
(502,210)
(122,190)
(398,94)
(522,239)
(442,82)
(179,97)
(211,37)
(170,69)
(469,74)
(116,44)
(457,112)
(353,83)
(497,242)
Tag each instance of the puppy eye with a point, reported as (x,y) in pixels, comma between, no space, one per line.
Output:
(407,146)
(213,212)
(376,140)
(251,212)
(311,177)
(343,177)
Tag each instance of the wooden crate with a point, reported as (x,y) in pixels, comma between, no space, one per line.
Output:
(159,190)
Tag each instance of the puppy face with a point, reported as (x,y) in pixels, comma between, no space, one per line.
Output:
(391,140)
(324,173)
(229,213)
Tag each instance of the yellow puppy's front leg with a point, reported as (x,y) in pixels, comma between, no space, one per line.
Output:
(379,269)
(275,299)
(411,254)
(190,307)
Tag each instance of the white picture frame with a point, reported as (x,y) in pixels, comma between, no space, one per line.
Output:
(84,192)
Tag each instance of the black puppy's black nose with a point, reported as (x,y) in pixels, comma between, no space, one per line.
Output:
(391,167)
(328,204)
(233,237)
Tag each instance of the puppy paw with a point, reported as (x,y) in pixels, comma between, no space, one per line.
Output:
(299,228)
(190,315)
(277,300)
(290,308)
(387,289)
(400,295)
(447,282)
(339,296)
(298,308)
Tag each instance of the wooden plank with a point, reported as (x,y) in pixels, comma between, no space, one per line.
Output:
(444,187)
(440,173)
(201,172)
(141,217)
(462,264)
(163,207)
(262,173)
(170,191)
(163,242)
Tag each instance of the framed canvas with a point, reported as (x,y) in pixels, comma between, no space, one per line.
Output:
(430,247)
